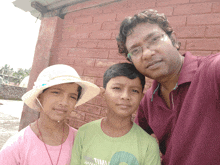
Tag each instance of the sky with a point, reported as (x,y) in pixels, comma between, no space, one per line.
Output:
(19,33)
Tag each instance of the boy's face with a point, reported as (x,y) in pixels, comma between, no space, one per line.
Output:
(123,96)
(58,101)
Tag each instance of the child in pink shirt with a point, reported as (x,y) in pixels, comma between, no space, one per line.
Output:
(56,93)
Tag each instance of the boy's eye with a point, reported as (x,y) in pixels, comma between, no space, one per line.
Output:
(73,97)
(135,91)
(117,88)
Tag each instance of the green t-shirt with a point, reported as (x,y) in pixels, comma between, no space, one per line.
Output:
(93,147)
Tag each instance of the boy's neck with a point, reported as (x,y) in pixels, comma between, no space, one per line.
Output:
(116,127)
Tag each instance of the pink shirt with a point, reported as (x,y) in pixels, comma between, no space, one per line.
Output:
(25,148)
(189,131)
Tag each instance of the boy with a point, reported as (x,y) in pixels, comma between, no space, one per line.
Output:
(115,139)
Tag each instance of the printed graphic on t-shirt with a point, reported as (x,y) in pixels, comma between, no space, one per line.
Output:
(119,158)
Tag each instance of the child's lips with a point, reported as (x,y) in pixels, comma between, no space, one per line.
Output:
(124,105)
(59,110)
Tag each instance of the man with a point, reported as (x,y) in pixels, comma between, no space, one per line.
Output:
(182,108)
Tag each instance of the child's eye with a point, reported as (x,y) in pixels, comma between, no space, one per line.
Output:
(135,91)
(55,92)
(73,97)
(117,88)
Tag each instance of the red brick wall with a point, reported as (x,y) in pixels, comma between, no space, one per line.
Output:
(88,38)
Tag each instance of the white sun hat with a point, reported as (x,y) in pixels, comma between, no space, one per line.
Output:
(55,75)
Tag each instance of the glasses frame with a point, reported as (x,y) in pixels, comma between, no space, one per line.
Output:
(146,45)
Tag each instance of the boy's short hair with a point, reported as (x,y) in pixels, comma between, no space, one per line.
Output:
(122,69)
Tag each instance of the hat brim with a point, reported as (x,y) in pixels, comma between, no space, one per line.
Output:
(89,91)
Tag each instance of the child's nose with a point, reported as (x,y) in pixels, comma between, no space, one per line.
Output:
(125,95)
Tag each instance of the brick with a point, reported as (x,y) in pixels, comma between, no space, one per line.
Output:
(71,28)
(79,35)
(78,114)
(168,11)
(171,2)
(111,25)
(89,79)
(87,19)
(96,101)
(141,5)
(201,53)
(87,44)
(61,60)
(59,52)
(190,31)
(90,117)
(68,43)
(115,55)
(107,44)
(93,109)
(99,81)
(102,34)
(122,15)
(203,44)
(88,53)
(183,44)
(86,28)
(79,69)
(203,1)
(177,20)
(105,62)
(105,18)
(204,19)
(67,22)
(92,12)
(76,123)
(94,72)
(103,112)
(115,7)
(72,15)
(212,31)
(84,62)
(216,7)
(197,8)
(114,34)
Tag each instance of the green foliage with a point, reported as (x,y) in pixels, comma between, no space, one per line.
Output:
(15,76)
(21,74)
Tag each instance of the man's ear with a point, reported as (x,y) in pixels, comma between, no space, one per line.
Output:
(102,91)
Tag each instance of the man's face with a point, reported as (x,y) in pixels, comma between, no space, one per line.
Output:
(123,96)
(158,58)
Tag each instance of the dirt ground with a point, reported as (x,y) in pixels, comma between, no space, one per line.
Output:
(8,127)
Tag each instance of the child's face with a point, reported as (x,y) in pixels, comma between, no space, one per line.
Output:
(58,101)
(123,95)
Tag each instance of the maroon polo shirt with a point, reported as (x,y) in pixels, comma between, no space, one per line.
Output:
(189,131)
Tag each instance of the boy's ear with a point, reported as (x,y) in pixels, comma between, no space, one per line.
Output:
(102,91)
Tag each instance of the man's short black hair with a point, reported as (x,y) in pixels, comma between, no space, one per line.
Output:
(122,69)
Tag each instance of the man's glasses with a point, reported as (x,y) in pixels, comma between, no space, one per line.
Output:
(151,42)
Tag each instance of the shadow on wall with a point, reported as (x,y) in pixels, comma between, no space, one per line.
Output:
(8,92)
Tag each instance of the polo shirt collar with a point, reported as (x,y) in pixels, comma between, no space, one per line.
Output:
(187,72)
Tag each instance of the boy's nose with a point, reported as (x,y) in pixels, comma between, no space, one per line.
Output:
(125,95)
